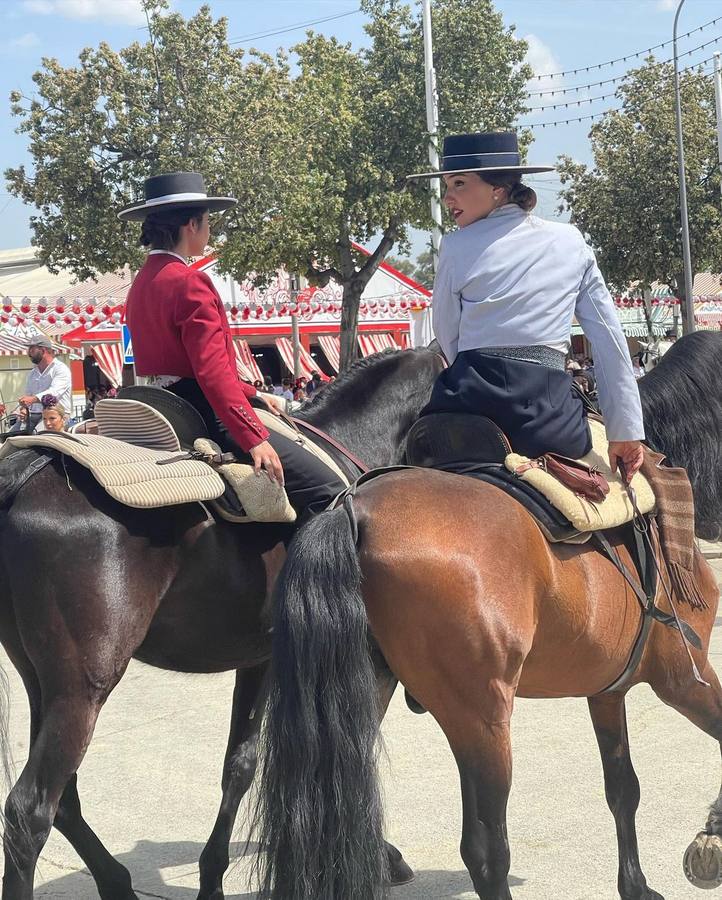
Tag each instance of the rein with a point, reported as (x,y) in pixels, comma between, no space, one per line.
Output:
(344,451)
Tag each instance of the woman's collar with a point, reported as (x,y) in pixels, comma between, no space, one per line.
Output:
(168,253)
(505,210)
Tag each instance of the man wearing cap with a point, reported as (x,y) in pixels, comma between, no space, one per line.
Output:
(49,375)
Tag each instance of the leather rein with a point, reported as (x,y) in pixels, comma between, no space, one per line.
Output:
(298,424)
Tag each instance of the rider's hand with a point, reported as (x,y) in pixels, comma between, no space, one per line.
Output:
(277,405)
(631,453)
(28,400)
(265,457)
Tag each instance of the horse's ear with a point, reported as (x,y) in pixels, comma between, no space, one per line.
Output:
(435,347)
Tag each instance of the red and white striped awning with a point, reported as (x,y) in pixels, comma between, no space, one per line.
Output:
(306,361)
(331,347)
(11,345)
(375,343)
(245,362)
(109,358)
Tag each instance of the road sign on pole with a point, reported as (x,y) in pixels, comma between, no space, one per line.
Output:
(128,359)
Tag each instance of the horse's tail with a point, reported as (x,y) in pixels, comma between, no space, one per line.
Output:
(319,809)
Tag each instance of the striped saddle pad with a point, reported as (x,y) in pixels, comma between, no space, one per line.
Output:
(130,474)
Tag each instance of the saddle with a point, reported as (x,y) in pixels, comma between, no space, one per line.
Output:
(570,499)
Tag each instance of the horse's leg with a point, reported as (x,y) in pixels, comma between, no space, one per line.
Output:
(239,767)
(66,725)
(702,706)
(609,718)
(483,755)
(112,878)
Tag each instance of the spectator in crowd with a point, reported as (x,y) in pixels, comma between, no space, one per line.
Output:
(299,392)
(268,385)
(286,391)
(637,366)
(55,417)
(48,376)
(258,384)
(314,384)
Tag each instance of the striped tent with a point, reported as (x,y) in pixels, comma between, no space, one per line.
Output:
(307,363)
(11,345)
(375,343)
(331,347)
(245,362)
(109,358)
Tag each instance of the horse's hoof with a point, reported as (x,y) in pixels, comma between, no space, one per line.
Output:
(703,861)
(401,874)
(398,872)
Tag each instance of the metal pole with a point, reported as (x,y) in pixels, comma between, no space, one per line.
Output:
(432,126)
(718,105)
(686,254)
(296,338)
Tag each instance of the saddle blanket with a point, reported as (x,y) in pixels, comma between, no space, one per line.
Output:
(616,508)
(130,474)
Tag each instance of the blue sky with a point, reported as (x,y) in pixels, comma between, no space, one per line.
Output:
(563,35)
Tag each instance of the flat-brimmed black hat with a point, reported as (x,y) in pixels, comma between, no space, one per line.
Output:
(174,191)
(489,151)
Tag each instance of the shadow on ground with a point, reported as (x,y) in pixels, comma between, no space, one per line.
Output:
(146,862)
(441,885)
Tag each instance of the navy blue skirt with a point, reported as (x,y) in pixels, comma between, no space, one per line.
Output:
(534,405)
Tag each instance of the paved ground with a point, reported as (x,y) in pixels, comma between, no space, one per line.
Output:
(150,787)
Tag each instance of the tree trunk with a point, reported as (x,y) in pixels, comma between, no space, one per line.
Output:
(648,314)
(349,323)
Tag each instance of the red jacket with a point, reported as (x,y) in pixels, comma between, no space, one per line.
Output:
(179,327)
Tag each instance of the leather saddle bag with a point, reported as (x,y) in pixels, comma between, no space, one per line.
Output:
(586,481)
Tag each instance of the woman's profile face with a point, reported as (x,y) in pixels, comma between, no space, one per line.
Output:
(52,420)
(199,236)
(469,199)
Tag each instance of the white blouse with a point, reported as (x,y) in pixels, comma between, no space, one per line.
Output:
(514,280)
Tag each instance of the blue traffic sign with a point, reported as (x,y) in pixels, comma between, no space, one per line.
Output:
(127,347)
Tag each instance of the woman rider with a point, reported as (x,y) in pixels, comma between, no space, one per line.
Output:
(182,338)
(507,288)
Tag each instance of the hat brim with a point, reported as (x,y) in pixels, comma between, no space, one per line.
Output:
(138,211)
(521,170)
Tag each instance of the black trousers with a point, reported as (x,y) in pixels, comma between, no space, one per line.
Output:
(310,484)
(535,406)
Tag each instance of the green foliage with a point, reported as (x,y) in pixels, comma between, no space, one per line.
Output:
(628,203)
(317,152)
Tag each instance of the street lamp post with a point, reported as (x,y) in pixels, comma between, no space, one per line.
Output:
(718,107)
(686,254)
(432,126)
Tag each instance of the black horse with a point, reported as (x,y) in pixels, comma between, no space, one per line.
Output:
(172,587)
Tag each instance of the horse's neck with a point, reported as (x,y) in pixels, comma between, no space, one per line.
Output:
(368,434)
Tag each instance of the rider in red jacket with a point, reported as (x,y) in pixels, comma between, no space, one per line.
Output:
(182,338)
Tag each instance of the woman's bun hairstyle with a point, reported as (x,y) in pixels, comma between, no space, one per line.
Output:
(161,230)
(520,194)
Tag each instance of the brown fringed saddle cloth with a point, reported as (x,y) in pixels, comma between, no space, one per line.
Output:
(675,518)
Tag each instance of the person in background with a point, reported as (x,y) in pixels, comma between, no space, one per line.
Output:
(637,366)
(286,391)
(268,387)
(55,416)
(49,375)
(314,384)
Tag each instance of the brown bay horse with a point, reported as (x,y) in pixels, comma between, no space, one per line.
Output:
(172,587)
(468,606)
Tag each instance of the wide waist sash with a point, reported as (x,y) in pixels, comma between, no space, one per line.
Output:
(540,354)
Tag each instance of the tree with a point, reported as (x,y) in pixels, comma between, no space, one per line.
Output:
(404,265)
(628,203)
(317,154)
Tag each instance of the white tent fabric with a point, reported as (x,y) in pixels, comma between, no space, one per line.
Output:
(245,362)
(331,347)
(109,358)
(420,328)
(375,343)
(11,345)
(307,363)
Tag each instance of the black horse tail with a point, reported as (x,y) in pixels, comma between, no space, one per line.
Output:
(319,812)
